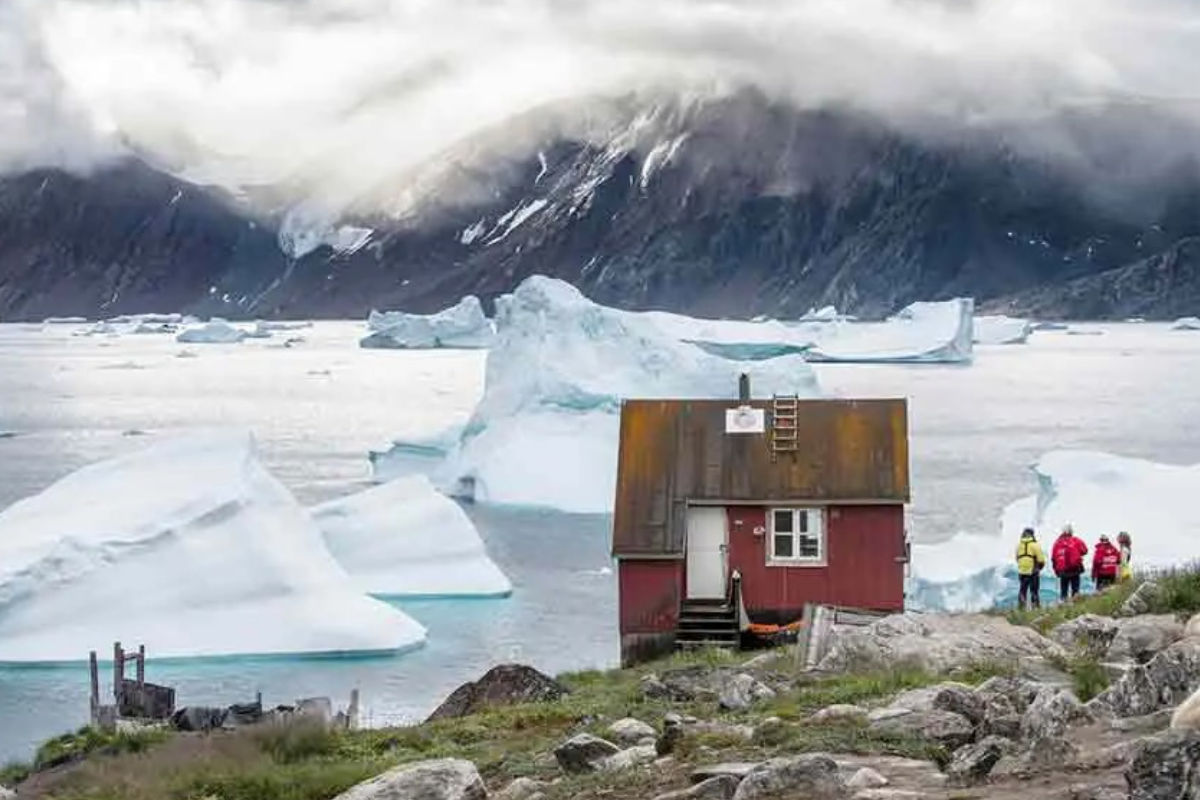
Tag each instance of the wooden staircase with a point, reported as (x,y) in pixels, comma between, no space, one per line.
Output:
(707,623)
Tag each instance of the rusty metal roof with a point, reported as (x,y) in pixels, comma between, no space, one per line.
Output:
(673,452)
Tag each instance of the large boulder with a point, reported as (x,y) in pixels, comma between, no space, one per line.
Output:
(742,691)
(1089,634)
(954,697)
(630,731)
(1141,601)
(630,757)
(1139,639)
(938,643)
(198,718)
(971,763)
(718,787)
(1164,681)
(1193,626)
(443,779)
(1051,713)
(507,684)
(946,728)
(584,753)
(1186,715)
(1165,767)
(1005,700)
(812,777)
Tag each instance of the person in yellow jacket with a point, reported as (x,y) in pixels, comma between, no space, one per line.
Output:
(1125,543)
(1030,561)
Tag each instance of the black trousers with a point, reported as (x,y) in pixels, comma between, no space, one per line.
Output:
(1103,582)
(1068,585)
(1030,591)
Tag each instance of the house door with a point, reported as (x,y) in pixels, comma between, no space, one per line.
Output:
(705,552)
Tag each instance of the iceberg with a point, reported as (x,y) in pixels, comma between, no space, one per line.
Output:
(545,431)
(938,332)
(64,320)
(215,331)
(404,539)
(1050,326)
(1001,329)
(1186,324)
(462,326)
(822,314)
(189,546)
(1097,493)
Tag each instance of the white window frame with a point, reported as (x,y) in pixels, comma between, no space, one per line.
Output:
(815,514)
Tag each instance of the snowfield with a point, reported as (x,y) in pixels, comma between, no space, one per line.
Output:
(405,539)
(189,546)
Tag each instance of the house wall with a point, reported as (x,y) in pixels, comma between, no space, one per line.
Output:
(864,546)
(649,593)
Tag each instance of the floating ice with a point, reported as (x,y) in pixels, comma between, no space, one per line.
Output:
(1050,326)
(1186,324)
(64,320)
(404,538)
(919,333)
(281,325)
(822,314)
(215,331)
(545,431)
(1097,493)
(189,546)
(259,331)
(461,326)
(149,319)
(1001,329)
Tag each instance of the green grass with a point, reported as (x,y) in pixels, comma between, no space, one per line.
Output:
(1088,676)
(1179,593)
(301,761)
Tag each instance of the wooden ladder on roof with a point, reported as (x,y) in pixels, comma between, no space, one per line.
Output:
(785,408)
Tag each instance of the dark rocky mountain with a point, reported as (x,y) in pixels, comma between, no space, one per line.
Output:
(737,207)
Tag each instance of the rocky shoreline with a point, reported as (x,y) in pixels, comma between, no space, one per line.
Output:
(964,706)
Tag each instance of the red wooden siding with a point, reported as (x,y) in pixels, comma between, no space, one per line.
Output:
(863,543)
(650,593)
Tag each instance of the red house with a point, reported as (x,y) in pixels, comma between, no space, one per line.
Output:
(734,512)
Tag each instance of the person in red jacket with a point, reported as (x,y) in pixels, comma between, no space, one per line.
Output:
(1067,560)
(1106,564)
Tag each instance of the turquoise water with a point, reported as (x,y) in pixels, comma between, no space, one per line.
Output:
(561,616)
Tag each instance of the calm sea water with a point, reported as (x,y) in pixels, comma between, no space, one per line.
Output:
(316,409)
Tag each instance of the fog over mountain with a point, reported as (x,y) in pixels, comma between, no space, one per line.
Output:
(370,135)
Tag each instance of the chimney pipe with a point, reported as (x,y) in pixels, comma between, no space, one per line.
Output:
(744,388)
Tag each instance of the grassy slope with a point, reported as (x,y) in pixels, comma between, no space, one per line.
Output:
(301,762)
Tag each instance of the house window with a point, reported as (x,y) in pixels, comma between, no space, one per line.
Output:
(797,536)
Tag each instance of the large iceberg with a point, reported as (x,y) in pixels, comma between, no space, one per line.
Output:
(190,547)
(215,331)
(404,539)
(1097,493)
(920,333)
(545,432)
(1001,329)
(1186,324)
(461,326)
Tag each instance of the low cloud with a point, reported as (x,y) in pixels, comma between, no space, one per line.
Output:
(331,100)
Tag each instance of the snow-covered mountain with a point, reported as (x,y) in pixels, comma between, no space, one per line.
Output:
(735,206)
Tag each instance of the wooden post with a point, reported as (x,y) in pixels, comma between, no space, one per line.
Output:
(94,674)
(141,668)
(118,671)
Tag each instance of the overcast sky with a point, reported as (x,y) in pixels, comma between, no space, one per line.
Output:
(328,93)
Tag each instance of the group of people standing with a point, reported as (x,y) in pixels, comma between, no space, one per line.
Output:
(1110,563)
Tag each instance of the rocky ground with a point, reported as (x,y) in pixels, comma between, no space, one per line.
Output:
(913,706)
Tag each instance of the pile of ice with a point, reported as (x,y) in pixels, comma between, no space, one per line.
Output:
(462,326)
(189,546)
(215,331)
(919,333)
(1186,324)
(822,314)
(405,539)
(1001,329)
(1097,493)
(545,432)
